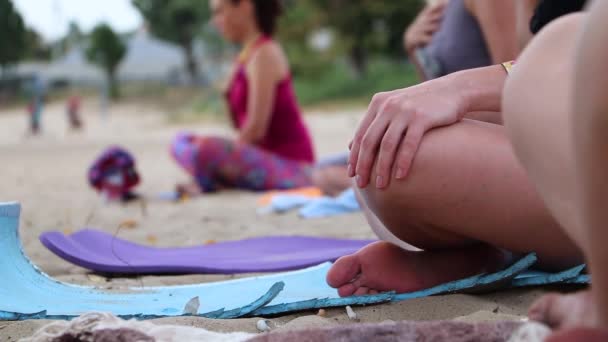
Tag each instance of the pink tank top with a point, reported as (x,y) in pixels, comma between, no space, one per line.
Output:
(287,135)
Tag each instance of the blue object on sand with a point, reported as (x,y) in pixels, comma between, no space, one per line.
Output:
(27,293)
(326,206)
(478,283)
(339,159)
(168,196)
(288,202)
(537,278)
(315,207)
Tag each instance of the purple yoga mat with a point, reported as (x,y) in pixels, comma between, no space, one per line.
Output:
(101,252)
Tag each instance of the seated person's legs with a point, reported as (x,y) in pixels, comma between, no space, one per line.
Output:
(465,193)
(566,166)
(216,163)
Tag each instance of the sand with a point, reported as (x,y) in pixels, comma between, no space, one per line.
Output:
(47,175)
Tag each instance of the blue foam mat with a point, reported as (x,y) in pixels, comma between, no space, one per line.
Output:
(28,293)
(570,276)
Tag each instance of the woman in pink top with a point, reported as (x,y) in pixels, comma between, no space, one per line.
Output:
(273,149)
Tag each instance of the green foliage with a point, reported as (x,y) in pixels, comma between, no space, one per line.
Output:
(337,87)
(369,25)
(35,47)
(339,84)
(107,50)
(302,18)
(12,35)
(176,21)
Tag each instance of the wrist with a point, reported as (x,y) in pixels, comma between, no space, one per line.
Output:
(479,89)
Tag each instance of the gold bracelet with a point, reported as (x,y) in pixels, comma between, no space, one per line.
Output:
(508,66)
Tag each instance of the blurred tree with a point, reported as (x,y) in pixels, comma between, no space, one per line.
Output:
(12,35)
(75,35)
(74,38)
(177,21)
(301,20)
(106,50)
(35,46)
(367,25)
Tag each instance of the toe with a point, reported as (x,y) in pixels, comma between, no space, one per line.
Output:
(347,290)
(544,310)
(537,310)
(362,291)
(344,271)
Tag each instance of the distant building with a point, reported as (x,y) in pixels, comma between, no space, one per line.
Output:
(148,59)
(151,59)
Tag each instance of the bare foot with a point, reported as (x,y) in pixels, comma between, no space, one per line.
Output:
(382,267)
(564,311)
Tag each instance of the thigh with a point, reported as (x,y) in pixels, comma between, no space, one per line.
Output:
(537,105)
(465,187)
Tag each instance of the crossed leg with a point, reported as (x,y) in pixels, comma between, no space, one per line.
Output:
(466,201)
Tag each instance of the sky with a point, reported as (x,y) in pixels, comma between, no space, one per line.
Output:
(51,18)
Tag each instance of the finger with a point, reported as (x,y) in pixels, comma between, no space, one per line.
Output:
(437,8)
(388,149)
(360,132)
(427,9)
(369,147)
(407,150)
(435,18)
(430,28)
(362,291)
(425,39)
(431,18)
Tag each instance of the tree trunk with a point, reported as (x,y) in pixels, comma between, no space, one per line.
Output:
(191,64)
(114,89)
(358,56)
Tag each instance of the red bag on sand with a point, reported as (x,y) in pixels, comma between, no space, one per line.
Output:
(114,174)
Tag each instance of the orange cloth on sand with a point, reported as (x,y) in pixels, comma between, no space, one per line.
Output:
(310,192)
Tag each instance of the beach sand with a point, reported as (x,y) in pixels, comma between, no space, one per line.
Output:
(47,175)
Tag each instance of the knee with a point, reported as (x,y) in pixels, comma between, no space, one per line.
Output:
(332,180)
(210,147)
(393,203)
(187,142)
(399,206)
(412,208)
(407,195)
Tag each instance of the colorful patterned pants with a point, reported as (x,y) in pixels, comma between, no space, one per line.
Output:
(218,163)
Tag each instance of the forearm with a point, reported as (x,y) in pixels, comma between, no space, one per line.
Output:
(524,12)
(497,22)
(251,134)
(481,88)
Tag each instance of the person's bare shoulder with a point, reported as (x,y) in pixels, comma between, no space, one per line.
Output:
(271,59)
